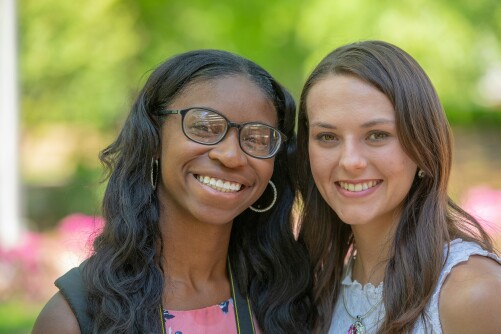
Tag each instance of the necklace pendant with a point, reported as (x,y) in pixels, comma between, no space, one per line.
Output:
(357,327)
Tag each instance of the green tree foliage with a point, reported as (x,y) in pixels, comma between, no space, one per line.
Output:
(457,42)
(82,61)
(77,60)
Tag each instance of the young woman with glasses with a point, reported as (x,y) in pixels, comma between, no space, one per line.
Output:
(198,237)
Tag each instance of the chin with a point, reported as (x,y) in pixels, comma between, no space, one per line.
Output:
(217,217)
(356,221)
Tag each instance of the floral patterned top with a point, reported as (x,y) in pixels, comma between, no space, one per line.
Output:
(215,319)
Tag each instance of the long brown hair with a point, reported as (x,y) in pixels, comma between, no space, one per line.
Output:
(430,218)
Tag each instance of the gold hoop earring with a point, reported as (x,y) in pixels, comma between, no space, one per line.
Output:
(272,202)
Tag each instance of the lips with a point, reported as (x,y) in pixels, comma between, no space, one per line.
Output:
(221,185)
(358,186)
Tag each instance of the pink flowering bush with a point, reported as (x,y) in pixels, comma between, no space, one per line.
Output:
(77,232)
(28,270)
(484,203)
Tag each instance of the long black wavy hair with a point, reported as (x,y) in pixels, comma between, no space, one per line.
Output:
(124,275)
(429,220)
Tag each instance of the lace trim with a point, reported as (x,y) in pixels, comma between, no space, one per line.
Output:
(368,288)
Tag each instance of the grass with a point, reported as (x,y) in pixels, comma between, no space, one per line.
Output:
(18,317)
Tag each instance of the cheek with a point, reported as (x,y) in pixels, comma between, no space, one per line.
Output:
(321,162)
(406,169)
(171,136)
(411,169)
(322,165)
(264,170)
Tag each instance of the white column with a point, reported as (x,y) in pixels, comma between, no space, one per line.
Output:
(10,221)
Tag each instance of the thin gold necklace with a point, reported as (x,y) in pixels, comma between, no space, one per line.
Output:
(358,326)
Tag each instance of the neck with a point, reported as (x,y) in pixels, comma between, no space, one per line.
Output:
(372,244)
(194,260)
(195,248)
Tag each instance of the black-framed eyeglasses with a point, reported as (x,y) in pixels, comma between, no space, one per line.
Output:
(208,127)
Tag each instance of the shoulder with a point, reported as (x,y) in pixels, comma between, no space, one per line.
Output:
(469,299)
(56,317)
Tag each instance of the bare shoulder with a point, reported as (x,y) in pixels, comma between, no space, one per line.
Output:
(470,297)
(56,317)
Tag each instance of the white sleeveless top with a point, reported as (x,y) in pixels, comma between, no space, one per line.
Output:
(360,299)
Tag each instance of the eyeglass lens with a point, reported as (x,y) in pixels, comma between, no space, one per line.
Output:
(208,127)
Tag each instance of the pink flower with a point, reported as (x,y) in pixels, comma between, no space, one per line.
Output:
(29,269)
(77,232)
(27,251)
(484,203)
(20,265)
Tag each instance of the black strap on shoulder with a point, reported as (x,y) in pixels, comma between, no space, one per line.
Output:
(72,288)
(243,311)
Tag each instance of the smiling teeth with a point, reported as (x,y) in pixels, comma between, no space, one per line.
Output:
(357,187)
(219,185)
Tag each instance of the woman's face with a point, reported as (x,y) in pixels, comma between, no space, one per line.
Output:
(214,183)
(357,161)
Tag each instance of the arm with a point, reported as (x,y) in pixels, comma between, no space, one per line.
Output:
(56,317)
(470,299)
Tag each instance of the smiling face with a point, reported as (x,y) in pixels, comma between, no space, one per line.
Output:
(214,183)
(356,159)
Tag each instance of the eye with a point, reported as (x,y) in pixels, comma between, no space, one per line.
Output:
(256,140)
(326,137)
(200,126)
(204,130)
(377,136)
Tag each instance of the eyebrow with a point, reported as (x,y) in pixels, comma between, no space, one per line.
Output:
(371,123)
(377,121)
(323,125)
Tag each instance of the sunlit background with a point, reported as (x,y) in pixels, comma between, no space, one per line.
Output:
(82,62)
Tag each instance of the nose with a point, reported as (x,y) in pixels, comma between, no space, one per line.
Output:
(228,151)
(352,157)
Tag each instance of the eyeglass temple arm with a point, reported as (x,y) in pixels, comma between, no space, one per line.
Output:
(169,112)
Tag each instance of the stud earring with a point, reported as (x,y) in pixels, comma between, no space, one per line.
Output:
(421,173)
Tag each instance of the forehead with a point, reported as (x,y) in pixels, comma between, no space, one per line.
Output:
(347,97)
(237,97)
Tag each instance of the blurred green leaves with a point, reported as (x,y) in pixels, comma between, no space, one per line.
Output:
(81,64)
(77,60)
(83,61)
(456,42)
